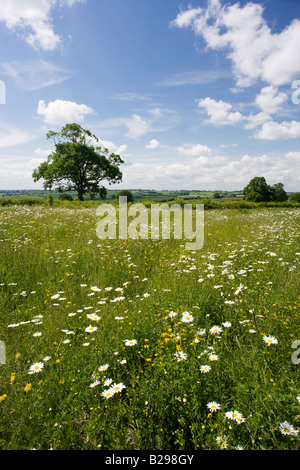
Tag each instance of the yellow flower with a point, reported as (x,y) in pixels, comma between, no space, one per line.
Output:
(18,355)
(2,397)
(12,378)
(27,388)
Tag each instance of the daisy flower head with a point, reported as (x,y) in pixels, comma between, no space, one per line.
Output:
(107,393)
(36,367)
(205,368)
(270,340)
(287,429)
(187,317)
(130,342)
(103,368)
(213,357)
(94,384)
(181,356)
(107,382)
(215,330)
(213,406)
(117,388)
(172,314)
(91,329)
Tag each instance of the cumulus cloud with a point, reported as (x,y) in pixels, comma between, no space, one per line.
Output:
(62,112)
(273,58)
(32,20)
(270,99)
(220,112)
(275,131)
(213,172)
(153,144)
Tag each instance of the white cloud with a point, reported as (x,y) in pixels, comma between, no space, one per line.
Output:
(11,135)
(63,112)
(255,120)
(270,99)
(32,19)
(153,144)
(274,58)
(136,126)
(34,75)
(220,112)
(276,131)
(195,151)
(214,172)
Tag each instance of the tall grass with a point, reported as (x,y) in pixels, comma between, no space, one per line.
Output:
(175,330)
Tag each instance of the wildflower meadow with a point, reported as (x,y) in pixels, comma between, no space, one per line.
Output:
(131,344)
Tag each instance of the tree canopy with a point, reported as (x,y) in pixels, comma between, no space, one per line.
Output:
(78,163)
(257,190)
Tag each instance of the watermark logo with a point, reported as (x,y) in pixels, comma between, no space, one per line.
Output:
(295,358)
(295,95)
(133,222)
(2,353)
(2,92)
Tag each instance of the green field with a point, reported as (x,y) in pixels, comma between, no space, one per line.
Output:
(199,346)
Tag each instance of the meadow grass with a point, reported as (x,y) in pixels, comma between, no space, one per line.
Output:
(143,345)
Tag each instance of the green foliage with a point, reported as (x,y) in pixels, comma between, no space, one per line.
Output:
(257,190)
(76,165)
(126,193)
(65,197)
(242,281)
(295,198)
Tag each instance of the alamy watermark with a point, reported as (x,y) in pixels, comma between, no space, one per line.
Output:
(2,92)
(2,353)
(296,94)
(133,222)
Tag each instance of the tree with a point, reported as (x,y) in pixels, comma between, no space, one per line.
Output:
(278,194)
(257,190)
(126,193)
(77,165)
(295,197)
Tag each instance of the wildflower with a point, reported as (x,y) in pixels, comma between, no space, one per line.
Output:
(117,387)
(107,382)
(56,296)
(2,397)
(46,358)
(172,314)
(91,329)
(93,317)
(94,384)
(27,388)
(130,342)
(215,329)
(102,368)
(205,368)
(270,340)
(181,356)
(107,393)
(226,324)
(12,378)
(221,441)
(187,318)
(36,367)
(213,406)
(38,333)
(287,429)
(213,357)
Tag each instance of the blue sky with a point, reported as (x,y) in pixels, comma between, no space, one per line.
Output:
(192,95)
